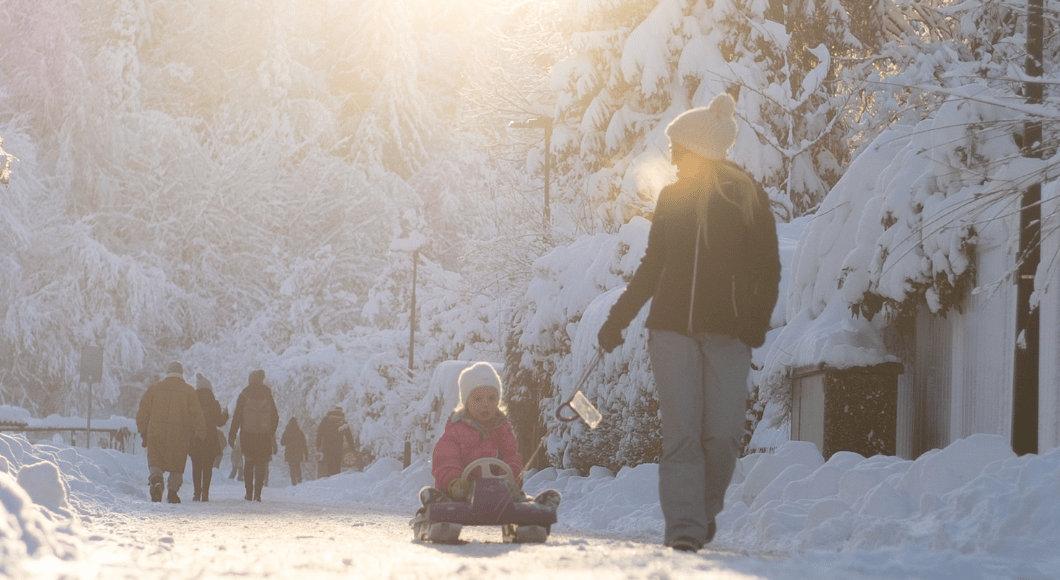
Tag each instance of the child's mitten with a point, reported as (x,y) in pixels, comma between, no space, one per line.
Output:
(459,489)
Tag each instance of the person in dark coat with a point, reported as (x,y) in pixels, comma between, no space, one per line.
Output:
(711,270)
(295,449)
(168,420)
(255,420)
(332,433)
(204,452)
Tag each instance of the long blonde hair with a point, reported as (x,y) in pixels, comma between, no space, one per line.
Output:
(742,194)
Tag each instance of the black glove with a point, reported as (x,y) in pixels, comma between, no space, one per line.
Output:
(753,337)
(610,336)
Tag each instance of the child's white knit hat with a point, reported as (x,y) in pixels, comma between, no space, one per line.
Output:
(706,131)
(480,374)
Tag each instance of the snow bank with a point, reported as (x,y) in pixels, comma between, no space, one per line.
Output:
(975,496)
(35,515)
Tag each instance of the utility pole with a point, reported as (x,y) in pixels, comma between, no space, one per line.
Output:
(412,310)
(1026,379)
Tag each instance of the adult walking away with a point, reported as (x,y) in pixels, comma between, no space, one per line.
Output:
(168,420)
(204,452)
(255,420)
(295,449)
(712,270)
(332,433)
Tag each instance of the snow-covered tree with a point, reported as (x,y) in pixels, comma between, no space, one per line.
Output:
(636,65)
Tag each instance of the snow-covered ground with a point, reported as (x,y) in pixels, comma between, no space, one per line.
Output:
(972,510)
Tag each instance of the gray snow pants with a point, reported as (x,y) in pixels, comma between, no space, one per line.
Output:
(176,478)
(702,387)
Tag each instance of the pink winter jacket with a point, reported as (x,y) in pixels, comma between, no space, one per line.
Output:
(464,442)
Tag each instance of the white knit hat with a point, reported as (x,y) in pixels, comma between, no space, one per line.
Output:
(480,374)
(706,131)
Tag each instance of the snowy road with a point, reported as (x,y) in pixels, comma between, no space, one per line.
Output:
(84,515)
(288,537)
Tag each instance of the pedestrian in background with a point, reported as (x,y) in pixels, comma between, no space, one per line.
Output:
(169,420)
(255,421)
(237,461)
(333,437)
(206,450)
(295,449)
(221,444)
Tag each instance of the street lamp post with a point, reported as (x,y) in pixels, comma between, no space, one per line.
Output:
(411,245)
(546,124)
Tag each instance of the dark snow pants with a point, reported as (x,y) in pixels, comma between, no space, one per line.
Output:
(296,472)
(202,475)
(701,382)
(255,473)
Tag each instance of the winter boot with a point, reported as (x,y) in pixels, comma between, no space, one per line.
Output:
(429,495)
(156,487)
(155,483)
(196,496)
(549,497)
(173,498)
(250,494)
(205,495)
(686,544)
(257,494)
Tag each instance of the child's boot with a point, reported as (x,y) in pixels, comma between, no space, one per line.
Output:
(429,495)
(549,497)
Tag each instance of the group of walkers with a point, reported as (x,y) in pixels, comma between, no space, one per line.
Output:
(176,420)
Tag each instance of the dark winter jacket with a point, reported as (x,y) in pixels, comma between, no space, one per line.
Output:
(171,417)
(333,432)
(737,274)
(295,449)
(257,446)
(210,446)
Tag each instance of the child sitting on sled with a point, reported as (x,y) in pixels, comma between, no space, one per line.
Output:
(478,428)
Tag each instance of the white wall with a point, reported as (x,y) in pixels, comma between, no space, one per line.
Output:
(959,369)
(983,352)
(1048,283)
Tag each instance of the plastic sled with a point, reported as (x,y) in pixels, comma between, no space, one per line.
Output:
(489,504)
